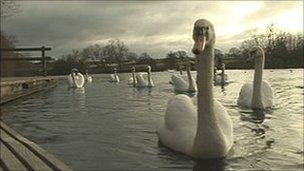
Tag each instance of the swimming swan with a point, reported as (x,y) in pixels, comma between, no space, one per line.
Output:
(132,80)
(180,85)
(205,130)
(76,79)
(88,78)
(141,82)
(256,95)
(114,77)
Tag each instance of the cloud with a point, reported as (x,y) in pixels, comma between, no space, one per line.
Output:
(153,27)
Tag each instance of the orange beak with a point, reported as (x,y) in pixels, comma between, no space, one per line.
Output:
(199,45)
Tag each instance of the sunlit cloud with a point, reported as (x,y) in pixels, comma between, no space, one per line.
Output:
(153,27)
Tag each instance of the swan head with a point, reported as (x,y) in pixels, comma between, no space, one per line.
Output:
(255,52)
(74,71)
(223,66)
(203,35)
(133,69)
(149,68)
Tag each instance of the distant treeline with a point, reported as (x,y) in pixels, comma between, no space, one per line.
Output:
(282,49)
(115,54)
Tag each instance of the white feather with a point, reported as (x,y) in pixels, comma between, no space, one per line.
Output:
(78,80)
(245,95)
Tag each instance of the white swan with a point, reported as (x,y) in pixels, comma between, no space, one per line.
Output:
(180,85)
(256,95)
(141,82)
(114,77)
(222,78)
(205,130)
(132,80)
(88,78)
(76,79)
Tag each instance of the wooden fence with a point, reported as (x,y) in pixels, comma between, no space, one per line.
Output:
(43,57)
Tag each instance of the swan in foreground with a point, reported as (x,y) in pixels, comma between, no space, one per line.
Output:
(114,77)
(222,78)
(256,95)
(180,85)
(76,79)
(88,78)
(205,130)
(141,82)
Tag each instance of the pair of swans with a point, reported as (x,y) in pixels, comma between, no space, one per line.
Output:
(76,79)
(205,130)
(180,85)
(114,77)
(137,80)
(222,78)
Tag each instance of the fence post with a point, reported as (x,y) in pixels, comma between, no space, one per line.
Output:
(43,60)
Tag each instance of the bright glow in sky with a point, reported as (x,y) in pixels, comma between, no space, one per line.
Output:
(291,20)
(145,26)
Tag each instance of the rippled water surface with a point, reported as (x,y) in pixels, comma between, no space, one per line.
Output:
(107,126)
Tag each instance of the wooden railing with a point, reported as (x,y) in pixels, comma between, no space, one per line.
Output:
(43,57)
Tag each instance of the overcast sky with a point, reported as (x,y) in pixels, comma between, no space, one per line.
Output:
(153,27)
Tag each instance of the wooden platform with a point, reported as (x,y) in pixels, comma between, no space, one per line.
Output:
(15,88)
(18,153)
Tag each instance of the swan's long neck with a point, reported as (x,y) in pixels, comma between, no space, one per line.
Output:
(205,85)
(149,77)
(133,76)
(257,82)
(206,121)
(190,79)
(223,75)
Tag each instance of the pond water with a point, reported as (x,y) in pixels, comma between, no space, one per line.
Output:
(107,126)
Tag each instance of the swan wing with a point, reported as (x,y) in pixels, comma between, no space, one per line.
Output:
(141,82)
(70,81)
(245,95)
(178,128)
(116,78)
(267,94)
(130,81)
(179,83)
(112,77)
(79,80)
(218,79)
(225,124)
(89,79)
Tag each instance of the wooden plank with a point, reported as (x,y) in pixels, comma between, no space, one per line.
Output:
(51,83)
(48,58)
(24,155)
(26,49)
(3,167)
(47,157)
(9,160)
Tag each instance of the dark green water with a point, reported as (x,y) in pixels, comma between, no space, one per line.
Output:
(107,126)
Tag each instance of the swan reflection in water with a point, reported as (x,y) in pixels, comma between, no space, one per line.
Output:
(78,97)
